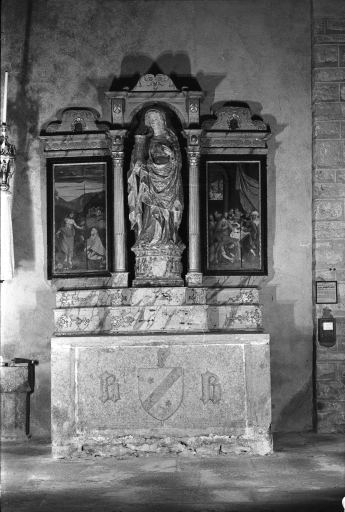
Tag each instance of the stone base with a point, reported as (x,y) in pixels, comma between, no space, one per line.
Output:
(252,443)
(146,282)
(158,266)
(120,279)
(165,393)
(194,279)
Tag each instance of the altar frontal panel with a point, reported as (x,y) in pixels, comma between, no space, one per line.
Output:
(164,386)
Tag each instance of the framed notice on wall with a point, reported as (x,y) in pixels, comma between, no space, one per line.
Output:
(235,215)
(326,292)
(78,213)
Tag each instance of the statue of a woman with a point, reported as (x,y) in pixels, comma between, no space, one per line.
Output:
(155,192)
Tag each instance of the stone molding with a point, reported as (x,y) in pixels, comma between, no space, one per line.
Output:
(234,126)
(78,132)
(125,104)
(76,120)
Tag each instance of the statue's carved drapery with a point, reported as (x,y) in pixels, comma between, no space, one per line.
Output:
(155,193)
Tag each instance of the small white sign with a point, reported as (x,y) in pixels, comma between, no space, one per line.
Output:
(326,292)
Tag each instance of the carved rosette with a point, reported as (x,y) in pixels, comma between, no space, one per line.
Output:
(158,266)
(193,111)
(117,111)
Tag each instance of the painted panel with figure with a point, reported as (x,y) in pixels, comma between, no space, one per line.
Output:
(236,216)
(78,217)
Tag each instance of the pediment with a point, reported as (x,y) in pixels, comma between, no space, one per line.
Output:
(233,117)
(150,82)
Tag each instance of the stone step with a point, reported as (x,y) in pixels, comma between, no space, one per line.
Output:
(155,296)
(156,318)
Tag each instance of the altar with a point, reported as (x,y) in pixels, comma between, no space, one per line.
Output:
(154,351)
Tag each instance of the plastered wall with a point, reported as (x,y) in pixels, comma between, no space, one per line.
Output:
(61,53)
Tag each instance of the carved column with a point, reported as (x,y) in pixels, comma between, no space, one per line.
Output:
(194,276)
(120,274)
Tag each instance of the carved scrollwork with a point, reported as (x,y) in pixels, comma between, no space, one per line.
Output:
(154,83)
(76,120)
(232,118)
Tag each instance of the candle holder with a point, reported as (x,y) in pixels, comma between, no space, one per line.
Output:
(8,152)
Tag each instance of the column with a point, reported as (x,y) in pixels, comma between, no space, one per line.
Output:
(194,276)
(120,274)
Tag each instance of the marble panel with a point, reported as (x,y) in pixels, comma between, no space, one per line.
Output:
(177,390)
(120,279)
(128,319)
(155,296)
(223,296)
(234,317)
(130,297)
(111,320)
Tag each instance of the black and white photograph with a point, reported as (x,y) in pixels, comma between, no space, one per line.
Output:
(172,256)
(78,227)
(236,223)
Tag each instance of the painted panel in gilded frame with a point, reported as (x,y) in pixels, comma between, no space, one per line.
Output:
(235,215)
(78,213)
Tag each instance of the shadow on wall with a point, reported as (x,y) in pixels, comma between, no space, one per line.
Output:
(291,365)
(176,65)
(25,112)
(291,349)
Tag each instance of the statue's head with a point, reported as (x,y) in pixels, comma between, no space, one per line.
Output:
(155,119)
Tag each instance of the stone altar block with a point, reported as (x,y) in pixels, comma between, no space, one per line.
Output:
(206,393)
(14,389)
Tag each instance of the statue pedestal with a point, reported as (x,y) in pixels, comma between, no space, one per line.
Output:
(158,266)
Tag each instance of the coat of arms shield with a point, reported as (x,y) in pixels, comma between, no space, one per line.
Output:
(160,391)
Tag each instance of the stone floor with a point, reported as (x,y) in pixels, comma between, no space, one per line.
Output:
(305,473)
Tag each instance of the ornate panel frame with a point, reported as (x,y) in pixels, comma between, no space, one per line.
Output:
(234,192)
(78,204)
(234,215)
(78,161)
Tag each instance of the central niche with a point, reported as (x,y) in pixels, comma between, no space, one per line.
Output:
(156,199)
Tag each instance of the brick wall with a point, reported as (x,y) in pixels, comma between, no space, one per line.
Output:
(329,208)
